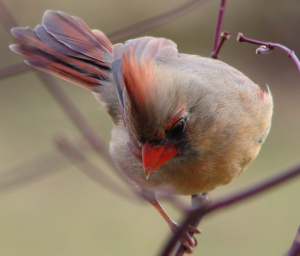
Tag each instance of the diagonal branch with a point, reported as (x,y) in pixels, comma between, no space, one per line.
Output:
(63,100)
(42,165)
(78,158)
(216,44)
(7,18)
(13,69)
(155,21)
(9,22)
(208,208)
(295,248)
(266,47)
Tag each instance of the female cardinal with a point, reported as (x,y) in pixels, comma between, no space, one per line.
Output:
(183,124)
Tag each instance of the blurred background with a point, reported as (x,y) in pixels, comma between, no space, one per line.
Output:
(66,213)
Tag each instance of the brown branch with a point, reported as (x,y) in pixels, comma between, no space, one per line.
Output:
(7,18)
(198,201)
(40,166)
(155,21)
(224,36)
(79,121)
(70,109)
(216,44)
(208,208)
(295,248)
(76,117)
(13,69)
(266,47)
(63,100)
(9,22)
(78,158)
(37,168)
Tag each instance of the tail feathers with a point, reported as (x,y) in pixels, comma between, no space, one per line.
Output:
(49,40)
(67,48)
(68,74)
(75,34)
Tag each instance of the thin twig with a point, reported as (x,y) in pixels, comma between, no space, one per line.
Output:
(224,36)
(72,112)
(63,100)
(76,117)
(80,122)
(36,168)
(155,21)
(13,69)
(79,159)
(198,201)
(266,47)
(229,201)
(192,217)
(219,25)
(116,36)
(40,166)
(7,18)
(295,248)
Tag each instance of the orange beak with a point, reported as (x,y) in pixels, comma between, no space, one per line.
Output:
(155,156)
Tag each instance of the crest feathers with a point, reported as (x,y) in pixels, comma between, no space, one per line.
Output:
(138,62)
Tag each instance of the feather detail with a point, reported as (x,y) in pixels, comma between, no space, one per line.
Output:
(84,62)
(68,74)
(118,50)
(75,34)
(172,121)
(49,40)
(138,66)
(138,77)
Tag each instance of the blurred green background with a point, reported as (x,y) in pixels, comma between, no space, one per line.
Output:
(66,213)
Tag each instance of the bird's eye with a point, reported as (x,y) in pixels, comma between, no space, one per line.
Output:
(178,128)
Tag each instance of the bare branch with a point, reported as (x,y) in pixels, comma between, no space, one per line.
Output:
(207,208)
(63,100)
(295,248)
(79,121)
(13,69)
(9,22)
(73,113)
(224,36)
(198,201)
(7,18)
(79,159)
(37,168)
(76,117)
(266,47)
(219,26)
(155,21)
(192,217)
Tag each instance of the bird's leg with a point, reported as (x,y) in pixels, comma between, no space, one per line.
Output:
(187,240)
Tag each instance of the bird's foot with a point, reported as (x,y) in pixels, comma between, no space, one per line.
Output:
(187,238)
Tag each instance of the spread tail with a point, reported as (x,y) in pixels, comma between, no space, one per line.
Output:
(66,47)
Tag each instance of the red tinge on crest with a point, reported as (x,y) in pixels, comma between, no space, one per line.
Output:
(138,77)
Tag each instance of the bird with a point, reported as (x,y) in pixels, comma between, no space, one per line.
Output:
(182,124)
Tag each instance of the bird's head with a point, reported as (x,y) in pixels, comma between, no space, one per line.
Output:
(155,116)
(153,107)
